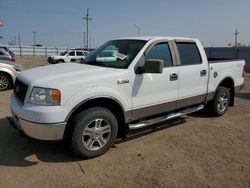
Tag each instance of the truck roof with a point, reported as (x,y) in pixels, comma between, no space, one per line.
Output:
(147,38)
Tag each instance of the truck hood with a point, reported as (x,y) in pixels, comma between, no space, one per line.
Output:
(63,74)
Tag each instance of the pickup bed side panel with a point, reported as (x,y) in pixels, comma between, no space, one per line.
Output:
(222,70)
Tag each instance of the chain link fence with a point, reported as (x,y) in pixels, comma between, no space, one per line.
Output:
(36,51)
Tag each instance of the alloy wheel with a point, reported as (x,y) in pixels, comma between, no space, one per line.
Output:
(4,82)
(96,134)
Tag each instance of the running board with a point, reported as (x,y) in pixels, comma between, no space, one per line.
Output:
(146,123)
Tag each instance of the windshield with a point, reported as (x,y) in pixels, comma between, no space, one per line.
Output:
(64,53)
(115,53)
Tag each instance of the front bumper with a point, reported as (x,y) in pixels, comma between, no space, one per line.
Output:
(51,60)
(39,122)
(48,132)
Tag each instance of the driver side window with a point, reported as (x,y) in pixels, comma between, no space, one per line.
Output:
(160,51)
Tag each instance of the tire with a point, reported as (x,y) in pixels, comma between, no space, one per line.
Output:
(5,81)
(94,132)
(221,101)
(60,61)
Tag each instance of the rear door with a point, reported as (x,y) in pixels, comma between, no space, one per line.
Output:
(79,54)
(156,93)
(193,74)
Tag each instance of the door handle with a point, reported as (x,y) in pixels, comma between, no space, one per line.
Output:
(122,81)
(173,77)
(203,73)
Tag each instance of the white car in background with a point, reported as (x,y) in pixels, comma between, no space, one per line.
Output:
(8,72)
(68,56)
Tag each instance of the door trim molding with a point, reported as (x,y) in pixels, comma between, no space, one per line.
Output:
(148,111)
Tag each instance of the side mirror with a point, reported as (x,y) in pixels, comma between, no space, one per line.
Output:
(153,66)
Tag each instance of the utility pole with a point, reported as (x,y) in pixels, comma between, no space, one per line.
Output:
(15,39)
(19,39)
(236,43)
(236,37)
(34,45)
(87,18)
(84,39)
(138,29)
(34,39)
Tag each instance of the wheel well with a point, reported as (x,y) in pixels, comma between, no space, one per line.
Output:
(12,81)
(229,83)
(108,103)
(60,60)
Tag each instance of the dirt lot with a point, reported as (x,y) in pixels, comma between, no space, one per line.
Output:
(192,151)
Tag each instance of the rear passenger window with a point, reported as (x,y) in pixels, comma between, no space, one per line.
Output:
(160,51)
(79,53)
(189,53)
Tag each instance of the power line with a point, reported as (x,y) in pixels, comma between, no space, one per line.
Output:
(87,18)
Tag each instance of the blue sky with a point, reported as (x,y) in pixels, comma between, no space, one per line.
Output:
(60,23)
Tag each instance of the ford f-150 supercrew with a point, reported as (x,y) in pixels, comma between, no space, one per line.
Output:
(145,80)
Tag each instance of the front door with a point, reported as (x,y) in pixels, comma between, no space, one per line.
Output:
(156,93)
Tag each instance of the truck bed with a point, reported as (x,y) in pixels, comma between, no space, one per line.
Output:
(221,60)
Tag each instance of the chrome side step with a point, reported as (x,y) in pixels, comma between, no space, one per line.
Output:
(141,124)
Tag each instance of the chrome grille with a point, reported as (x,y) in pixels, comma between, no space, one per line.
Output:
(20,90)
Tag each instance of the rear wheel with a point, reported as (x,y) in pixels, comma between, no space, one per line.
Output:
(221,101)
(94,132)
(5,81)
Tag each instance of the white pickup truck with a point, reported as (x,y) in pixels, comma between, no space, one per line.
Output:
(152,79)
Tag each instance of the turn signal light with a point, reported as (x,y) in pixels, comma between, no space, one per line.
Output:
(56,95)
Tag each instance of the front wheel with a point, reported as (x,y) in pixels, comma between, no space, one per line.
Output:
(221,101)
(5,81)
(94,132)
(60,61)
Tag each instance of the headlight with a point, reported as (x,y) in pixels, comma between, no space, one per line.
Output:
(45,96)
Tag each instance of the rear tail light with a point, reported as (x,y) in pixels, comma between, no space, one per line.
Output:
(12,59)
(244,71)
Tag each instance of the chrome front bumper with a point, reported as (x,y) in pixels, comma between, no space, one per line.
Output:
(48,132)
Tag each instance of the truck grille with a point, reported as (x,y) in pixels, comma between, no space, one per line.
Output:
(20,90)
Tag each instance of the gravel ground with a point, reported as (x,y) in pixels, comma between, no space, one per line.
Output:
(192,151)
